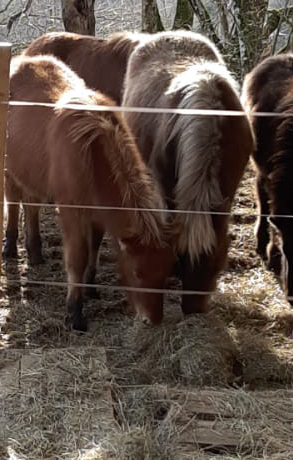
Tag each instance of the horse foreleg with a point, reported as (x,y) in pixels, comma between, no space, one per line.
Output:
(12,194)
(76,257)
(33,238)
(194,279)
(201,276)
(94,238)
(262,227)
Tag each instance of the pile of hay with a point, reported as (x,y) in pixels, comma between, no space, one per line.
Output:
(244,343)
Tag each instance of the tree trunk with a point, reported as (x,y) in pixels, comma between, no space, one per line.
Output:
(251,31)
(184,15)
(78,16)
(151,21)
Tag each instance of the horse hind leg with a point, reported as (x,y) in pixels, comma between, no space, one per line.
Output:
(76,259)
(13,195)
(94,238)
(33,238)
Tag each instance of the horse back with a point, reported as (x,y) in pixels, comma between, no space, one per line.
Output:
(267,83)
(265,89)
(171,48)
(38,79)
(100,62)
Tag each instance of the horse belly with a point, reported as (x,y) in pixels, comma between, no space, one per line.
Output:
(26,160)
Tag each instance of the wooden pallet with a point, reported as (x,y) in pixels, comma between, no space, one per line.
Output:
(229,420)
(60,394)
(207,423)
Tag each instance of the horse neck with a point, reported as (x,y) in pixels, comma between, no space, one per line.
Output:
(127,184)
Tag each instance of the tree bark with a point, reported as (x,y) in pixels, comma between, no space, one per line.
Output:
(78,16)
(151,21)
(205,20)
(184,15)
(251,29)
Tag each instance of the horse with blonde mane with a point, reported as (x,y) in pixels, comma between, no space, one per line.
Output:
(198,160)
(84,159)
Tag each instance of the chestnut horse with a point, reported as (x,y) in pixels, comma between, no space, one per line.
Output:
(199,160)
(100,62)
(79,157)
(102,65)
(269,88)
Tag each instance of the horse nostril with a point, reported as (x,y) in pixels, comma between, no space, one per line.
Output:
(146,321)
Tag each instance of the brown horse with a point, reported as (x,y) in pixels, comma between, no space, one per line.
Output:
(78,157)
(100,62)
(102,65)
(269,88)
(199,160)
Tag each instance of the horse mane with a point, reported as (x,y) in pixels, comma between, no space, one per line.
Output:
(137,186)
(125,42)
(175,46)
(198,158)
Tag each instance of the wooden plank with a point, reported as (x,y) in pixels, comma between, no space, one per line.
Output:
(63,401)
(209,433)
(5,56)
(220,421)
(224,420)
(9,385)
(202,401)
(224,403)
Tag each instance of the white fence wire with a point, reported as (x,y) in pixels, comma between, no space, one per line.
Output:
(149,110)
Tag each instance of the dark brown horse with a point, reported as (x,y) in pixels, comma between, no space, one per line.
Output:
(199,160)
(269,88)
(102,64)
(78,157)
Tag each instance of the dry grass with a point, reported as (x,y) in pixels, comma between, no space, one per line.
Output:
(245,343)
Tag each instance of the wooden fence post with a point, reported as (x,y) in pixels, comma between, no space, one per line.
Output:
(5,56)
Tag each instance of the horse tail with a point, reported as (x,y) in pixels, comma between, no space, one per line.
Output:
(198,159)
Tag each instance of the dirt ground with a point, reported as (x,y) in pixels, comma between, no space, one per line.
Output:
(244,343)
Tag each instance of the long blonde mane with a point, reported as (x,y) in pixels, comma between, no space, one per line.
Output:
(138,187)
